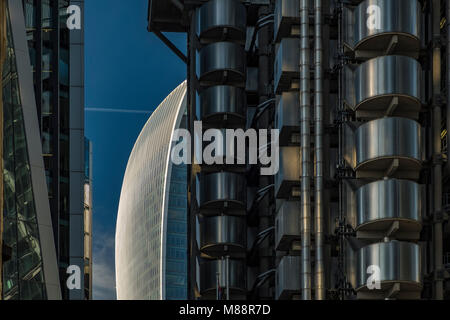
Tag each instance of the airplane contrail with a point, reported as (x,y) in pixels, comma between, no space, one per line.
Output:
(117,110)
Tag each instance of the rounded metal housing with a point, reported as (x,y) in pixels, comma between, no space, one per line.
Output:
(220,190)
(381,202)
(222,235)
(222,62)
(219,18)
(379,80)
(219,104)
(398,262)
(380,141)
(400,18)
(210,269)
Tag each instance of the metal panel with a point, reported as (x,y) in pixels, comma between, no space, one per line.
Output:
(400,19)
(382,202)
(287,117)
(209,270)
(219,18)
(380,141)
(289,172)
(378,81)
(287,225)
(222,235)
(286,68)
(221,190)
(223,103)
(398,262)
(288,282)
(220,61)
(287,14)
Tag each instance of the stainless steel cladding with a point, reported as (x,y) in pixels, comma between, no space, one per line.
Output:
(218,102)
(383,202)
(287,117)
(379,80)
(287,13)
(400,19)
(286,69)
(382,140)
(221,189)
(211,270)
(216,16)
(221,60)
(222,235)
(288,176)
(288,280)
(397,262)
(287,225)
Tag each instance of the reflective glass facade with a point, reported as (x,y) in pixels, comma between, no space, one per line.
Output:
(49,44)
(22,274)
(151,255)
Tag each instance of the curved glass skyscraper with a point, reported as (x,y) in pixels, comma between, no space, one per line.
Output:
(151,245)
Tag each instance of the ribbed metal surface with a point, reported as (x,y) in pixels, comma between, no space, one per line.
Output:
(288,280)
(388,138)
(222,103)
(221,235)
(219,57)
(397,261)
(217,18)
(216,189)
(380,79)
(287,225)
(401,18)
(381,202)
(209,271)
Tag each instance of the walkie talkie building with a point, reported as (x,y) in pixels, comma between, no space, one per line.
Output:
(359,91)
(151,238)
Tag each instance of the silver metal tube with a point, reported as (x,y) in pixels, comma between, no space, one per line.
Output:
(227,274)
(305,120)
(319,160)
(437,167)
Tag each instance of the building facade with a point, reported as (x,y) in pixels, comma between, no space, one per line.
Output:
(151,234)
(359,91)
(43,86)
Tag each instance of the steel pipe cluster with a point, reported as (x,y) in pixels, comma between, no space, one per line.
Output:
(221,189)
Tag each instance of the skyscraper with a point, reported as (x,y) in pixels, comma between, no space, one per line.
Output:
(151,234)
(359,93)
(43,86)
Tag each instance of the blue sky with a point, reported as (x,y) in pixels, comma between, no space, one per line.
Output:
(129,69)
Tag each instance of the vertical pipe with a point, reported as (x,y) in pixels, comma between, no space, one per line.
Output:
(447,16)
(305,119)
(318,130)
(218,285)
(227,274)
(437,166)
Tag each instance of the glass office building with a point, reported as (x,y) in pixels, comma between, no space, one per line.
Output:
(57,61)
(31,270)
(151,231)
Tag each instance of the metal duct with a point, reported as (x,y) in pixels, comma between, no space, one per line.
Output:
(219,18)
(215,271)
(398,32)
(305,120)
(391,205)
(399,266)
(447,166)
(223,104)
(221,61)
(319,159)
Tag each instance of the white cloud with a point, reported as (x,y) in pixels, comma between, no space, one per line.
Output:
(103,266)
